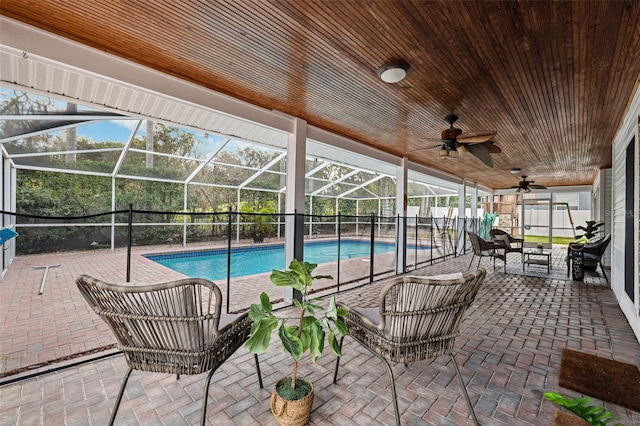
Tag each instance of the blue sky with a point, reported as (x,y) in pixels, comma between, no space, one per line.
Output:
(109,130)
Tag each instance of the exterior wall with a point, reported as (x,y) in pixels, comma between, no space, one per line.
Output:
(602,208)
(628,132)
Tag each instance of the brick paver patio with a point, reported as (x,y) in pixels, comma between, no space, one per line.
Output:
(509,351)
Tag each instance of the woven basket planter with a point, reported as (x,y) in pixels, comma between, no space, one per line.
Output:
(562,418)
(291,413)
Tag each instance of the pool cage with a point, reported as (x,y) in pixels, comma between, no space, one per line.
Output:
(88,179)
(80,181)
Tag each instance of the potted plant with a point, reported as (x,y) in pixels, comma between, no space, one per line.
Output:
(292,399)
(262,221)
(590,231)
(584,413)
(258,236)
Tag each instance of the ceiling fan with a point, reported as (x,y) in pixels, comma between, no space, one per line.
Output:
(479,144)
(526,185)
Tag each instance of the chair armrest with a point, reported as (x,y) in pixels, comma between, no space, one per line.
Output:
(500,244)
(486,245)
(228,321)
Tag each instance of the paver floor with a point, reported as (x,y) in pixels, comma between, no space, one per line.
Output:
(509,353)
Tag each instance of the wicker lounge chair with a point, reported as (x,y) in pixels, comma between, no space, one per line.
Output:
(418,318)
(482,248)
(174,327)
(592,253)
(509,243)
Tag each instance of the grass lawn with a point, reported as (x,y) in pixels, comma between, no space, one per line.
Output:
(545,239)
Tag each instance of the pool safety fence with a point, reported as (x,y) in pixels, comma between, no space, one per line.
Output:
(229,247)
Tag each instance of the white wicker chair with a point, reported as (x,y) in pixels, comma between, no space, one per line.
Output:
(174,327)
(417,319)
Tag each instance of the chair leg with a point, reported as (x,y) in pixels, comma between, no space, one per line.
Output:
(603,272)
(122,386)
(389,370)
(335,372)
(470,263)
(479,260)
(464,389)
(255,357)
(205,397)
(393,386)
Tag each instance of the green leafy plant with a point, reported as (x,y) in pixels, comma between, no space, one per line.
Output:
(308,334)
(593,414)
(590,231)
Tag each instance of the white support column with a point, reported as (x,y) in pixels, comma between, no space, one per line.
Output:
(310,216)
(184,217)
(402,173)
(113,217)
(279,213)
(474,202)
(337,213)
(379,214)
(358,214)
(462,192)
(238,218)
(294,201)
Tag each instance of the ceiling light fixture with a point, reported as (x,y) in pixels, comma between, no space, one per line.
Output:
(393,72)
(449,150)
(515,171)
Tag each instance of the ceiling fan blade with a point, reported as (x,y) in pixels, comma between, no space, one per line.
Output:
(481,153)
(477,137)
(537,187)
(492,147)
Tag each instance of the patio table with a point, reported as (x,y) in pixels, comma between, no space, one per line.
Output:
(540,257)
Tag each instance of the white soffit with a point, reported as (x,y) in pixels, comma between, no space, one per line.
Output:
(39,74)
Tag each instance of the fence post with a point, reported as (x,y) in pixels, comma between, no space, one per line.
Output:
(432,240)
(339,237)
(129,240)
(229,259)
(415,260)
(372,248)
(298,245)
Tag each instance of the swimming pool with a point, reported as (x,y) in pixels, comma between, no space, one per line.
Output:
(212,264)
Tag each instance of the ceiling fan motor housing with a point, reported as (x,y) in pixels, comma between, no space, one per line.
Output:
(451,133)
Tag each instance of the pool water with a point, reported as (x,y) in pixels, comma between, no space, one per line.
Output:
(212,264)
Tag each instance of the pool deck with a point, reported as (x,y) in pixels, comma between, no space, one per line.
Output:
(509,353)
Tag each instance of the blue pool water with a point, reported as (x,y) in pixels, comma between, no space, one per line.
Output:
(212,264)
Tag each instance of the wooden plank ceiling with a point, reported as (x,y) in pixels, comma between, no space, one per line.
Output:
(553,78)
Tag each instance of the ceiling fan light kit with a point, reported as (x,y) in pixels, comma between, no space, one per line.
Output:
(393,72)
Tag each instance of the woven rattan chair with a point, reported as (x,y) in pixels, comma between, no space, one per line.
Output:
(174,327)
(592,253)
(482,248)
(418,318)
(510,243)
